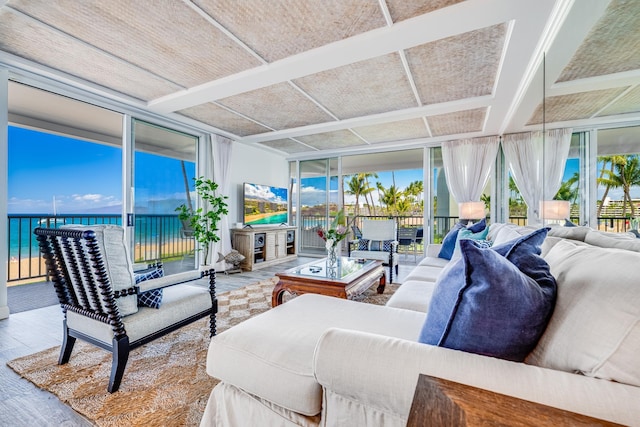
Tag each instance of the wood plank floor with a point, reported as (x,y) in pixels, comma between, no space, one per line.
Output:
(23,404)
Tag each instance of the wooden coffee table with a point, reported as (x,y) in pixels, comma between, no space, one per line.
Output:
(351,278)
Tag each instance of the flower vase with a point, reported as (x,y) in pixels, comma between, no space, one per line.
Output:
(332,261)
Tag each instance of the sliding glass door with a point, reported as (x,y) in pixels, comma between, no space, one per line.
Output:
(163,167)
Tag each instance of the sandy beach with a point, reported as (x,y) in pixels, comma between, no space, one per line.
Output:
(19,271)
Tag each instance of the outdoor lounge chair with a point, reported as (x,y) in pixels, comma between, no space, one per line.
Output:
(94,280)
(378,242)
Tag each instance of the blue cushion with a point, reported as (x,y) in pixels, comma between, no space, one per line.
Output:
(449,242)
(491,304)
(478,226)
(380,245)
(568,223)
(151,298)
(468,234)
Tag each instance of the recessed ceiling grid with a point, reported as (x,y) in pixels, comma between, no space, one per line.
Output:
(459,67)
(458,122)
(164,36)
(576,106)
(602,53)
(629,102)
(23,36)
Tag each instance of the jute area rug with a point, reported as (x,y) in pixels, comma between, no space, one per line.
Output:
(165,382)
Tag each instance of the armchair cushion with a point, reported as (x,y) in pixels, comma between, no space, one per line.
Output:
(495,303)
(110,239)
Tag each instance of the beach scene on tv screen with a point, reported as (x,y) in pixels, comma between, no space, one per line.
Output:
(264,204)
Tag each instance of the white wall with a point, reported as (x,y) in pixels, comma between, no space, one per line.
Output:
(257,167)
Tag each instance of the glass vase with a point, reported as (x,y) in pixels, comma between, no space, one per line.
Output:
(332,256)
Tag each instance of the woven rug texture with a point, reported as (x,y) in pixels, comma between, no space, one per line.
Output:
(165,382)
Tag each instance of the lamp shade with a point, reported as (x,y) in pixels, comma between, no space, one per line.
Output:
(471,210)
(554,209)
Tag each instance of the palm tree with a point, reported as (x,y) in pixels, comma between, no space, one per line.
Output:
(390,197)
(415,190)
(569,189)
(368,189)
(628,176)
(355,187)
(609,182)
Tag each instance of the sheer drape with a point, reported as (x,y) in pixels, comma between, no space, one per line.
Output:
(537,162)
(467,165)
(221,150)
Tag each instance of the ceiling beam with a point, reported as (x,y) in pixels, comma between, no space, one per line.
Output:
(374,119)
(459,18)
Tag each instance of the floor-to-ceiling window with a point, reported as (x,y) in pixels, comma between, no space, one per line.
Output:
(618,179)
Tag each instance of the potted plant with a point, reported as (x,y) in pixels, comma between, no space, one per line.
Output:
(204,220)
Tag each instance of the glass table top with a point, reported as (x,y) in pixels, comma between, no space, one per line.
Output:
(345,268)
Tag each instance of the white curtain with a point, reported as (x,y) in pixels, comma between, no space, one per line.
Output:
(537,162)
(221,157)
(467,165)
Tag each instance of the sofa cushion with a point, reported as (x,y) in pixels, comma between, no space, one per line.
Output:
(425,273)
(486,303)
(413,295)
(613,240)
(280,369)
(595,329)
(574,233)
(501,233)
(434,262)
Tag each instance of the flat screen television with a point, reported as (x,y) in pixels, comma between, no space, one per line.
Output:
(265,204)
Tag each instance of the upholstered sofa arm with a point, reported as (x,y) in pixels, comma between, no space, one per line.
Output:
(381,374)
(433,250)
(163,282)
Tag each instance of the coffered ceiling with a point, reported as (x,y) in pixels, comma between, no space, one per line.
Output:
(307,77)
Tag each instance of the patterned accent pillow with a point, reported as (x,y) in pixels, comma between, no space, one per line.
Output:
(363,244)
(151,298)
(484,243)
(380,245)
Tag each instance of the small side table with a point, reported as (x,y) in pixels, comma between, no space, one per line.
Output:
(439,402)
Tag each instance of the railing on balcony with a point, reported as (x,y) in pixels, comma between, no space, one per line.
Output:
(441,225)
(156,237)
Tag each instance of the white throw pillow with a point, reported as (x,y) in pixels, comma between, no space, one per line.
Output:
(595,327)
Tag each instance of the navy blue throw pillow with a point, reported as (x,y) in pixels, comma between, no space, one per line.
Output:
(484,303)
(478,226)
(449,242)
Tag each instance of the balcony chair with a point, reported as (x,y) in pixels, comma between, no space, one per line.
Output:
(407,238)
(93,277)
(378,242)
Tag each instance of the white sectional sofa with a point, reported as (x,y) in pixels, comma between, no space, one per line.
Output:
(318,360)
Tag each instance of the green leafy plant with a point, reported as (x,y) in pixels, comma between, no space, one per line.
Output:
(204,220)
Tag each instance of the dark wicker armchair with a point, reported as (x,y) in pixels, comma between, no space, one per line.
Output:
(94,280)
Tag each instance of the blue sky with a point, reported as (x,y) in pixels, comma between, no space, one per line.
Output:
(313,191)
(84,177)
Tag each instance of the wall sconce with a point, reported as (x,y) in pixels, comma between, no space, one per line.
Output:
(471,210)
(554,209)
